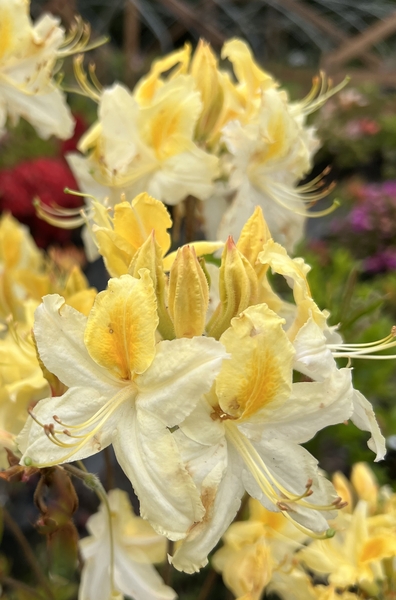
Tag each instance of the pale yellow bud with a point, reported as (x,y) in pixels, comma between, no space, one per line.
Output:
(188,294)
(365,483)
(207,79)
(238,289)
(149,256)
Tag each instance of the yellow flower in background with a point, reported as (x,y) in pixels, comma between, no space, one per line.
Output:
(355,555)
(256,548)
(119,554)
(27,58)
(136,148)
(22,382)
(191,128)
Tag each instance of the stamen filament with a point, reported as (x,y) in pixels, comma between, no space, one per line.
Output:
(111,407)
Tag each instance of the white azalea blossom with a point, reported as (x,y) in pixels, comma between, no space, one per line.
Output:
(118,555)
(270,154)
(135,149)
(27,57)
(247,435)
(124,389)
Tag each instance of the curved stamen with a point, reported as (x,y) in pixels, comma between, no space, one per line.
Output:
(305,197)
(364,350)
(102,415)
(322,89)
(83,81)
(266,479)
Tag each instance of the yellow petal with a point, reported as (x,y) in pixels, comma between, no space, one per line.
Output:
(135,222)
(116,251)
(261,365)
(120,332)
(201,249)
(254,235)
(365,483)
(149,256)
(148,86)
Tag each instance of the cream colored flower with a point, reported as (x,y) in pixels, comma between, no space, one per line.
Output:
(134,148)
(27,58)
(119,554)
(124,389)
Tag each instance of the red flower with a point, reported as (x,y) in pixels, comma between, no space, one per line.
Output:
(46,179)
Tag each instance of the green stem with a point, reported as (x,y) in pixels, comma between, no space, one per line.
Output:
(94,483)
(28,552)
(19,585)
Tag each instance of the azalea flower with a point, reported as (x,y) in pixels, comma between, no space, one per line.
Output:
(246,435)
(27,58)
(119,553)
(132,149)
(22,382)
(354,556)
(255,549)
(124,389)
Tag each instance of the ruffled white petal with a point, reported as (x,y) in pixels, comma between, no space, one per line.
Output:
(150,458)
(182,371)
(363,417)
(311,407)
(223,498)
(59,333)
(74,407)
(140,581)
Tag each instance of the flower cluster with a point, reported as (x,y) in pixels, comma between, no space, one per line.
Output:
(25,275)
(264,553)
(191,129)
(188,370)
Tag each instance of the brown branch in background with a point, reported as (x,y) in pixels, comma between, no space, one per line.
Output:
(28,552)
(131,40)
(356,46)
(325,26)
(207,585)
(190,218)
(109,472)
(192,18)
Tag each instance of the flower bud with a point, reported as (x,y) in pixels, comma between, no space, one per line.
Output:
(238,288)
(188,294)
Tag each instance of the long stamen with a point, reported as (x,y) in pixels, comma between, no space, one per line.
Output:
(293,195)
(262,474)
(111,406)
(365,350)
(61,217)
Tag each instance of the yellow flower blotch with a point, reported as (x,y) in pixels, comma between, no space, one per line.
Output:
(120,332)
(260,369)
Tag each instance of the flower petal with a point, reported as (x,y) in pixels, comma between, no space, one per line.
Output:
(363,417)
(181,372)
(150,458)
(59,331)
(120,332)
(140,581)
(221,496)
(75,407)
